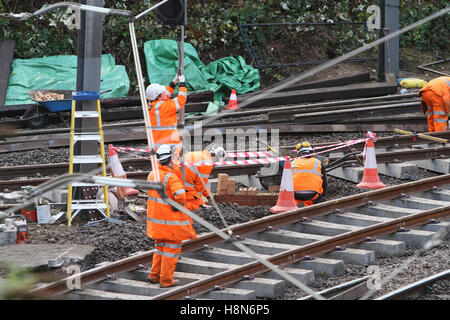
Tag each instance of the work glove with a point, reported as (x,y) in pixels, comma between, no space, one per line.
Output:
(175,80)
(182,78)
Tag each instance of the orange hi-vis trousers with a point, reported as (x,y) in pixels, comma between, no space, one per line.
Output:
(164,262)
(437,116)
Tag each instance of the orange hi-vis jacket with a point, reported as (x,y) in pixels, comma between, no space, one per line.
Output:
(163,116)
(307,175)
(163,222)
(194,176)
(436,96)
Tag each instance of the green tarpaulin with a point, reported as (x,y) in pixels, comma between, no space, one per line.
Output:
(59,72)
(219,76)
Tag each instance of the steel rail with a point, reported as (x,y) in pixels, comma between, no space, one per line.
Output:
(415,287)
(293,216)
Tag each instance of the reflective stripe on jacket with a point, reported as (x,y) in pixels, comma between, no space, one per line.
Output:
(307,174)
(194,176)
(163,222)
(163,116)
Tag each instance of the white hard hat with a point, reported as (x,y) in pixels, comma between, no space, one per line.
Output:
(153,91)
(219,152)
(164,152)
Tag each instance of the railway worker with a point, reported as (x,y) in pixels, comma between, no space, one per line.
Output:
(165,224)
(436,100)
(309,176)
(163,112)
(196,190)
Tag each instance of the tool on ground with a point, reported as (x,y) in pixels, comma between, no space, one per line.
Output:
(75,136)
(14,230)
(421,135)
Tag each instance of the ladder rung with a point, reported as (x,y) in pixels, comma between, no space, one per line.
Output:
(86,114)
(78,206)
(85,184)
(87,159)
(86,137)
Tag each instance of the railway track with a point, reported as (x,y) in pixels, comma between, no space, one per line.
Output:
(391,150)
(305,242)
(371,114)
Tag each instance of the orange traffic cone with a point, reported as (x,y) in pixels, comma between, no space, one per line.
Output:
(370,179)
(233,104)
(118,172)
(286,199)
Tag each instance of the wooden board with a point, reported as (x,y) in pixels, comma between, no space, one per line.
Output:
(6,58)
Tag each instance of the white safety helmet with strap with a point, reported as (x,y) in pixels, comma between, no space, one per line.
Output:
(164,153)
(218,152)
(153,91)
(304,148)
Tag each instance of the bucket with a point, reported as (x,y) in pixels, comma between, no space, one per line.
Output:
(30,215)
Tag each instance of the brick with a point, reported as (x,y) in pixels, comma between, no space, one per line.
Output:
(242,191)
(274,188)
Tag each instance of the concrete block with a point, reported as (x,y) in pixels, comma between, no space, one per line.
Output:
(263,287)
(302,275)
(414,238)
(416,203)
(354,219)
(321,228)
(353,174)
(383,247)
(203,267)
(230,294)
(404,171)
(352,256)
(435,165)
(222,255)
(383,210)
(323,266)
(91,294)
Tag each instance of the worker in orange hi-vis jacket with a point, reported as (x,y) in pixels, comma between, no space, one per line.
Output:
(308,175)
(436,100)
(165,224)
(163,111)
(198,168)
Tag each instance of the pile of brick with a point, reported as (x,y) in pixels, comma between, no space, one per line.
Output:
(225,185)
(48,96)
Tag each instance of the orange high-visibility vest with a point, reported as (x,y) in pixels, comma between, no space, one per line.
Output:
(163,117)
(436,96)
(307,175)
(194,176)
(163,222)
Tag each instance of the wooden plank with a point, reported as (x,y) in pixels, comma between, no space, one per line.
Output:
(6,58)
(337,82)
(322,94)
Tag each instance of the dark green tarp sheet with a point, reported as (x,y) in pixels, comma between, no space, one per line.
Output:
(59,72)
(220,76)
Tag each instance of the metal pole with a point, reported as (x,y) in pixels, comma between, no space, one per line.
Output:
(140,79)
(381,46)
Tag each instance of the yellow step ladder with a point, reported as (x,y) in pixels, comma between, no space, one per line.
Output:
(74,206)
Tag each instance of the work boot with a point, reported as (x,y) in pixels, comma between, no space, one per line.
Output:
(152,280)
(175,283)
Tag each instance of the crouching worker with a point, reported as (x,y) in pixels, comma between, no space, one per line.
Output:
(165,224)
(309,176)
(197,176)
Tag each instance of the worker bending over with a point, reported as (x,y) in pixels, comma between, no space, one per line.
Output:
(436,100)
(309,176)
(195,174)
(163,111)
(165,224)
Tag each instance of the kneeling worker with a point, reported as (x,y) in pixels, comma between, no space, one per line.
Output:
(166,225)
(309,176)
(195,188)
